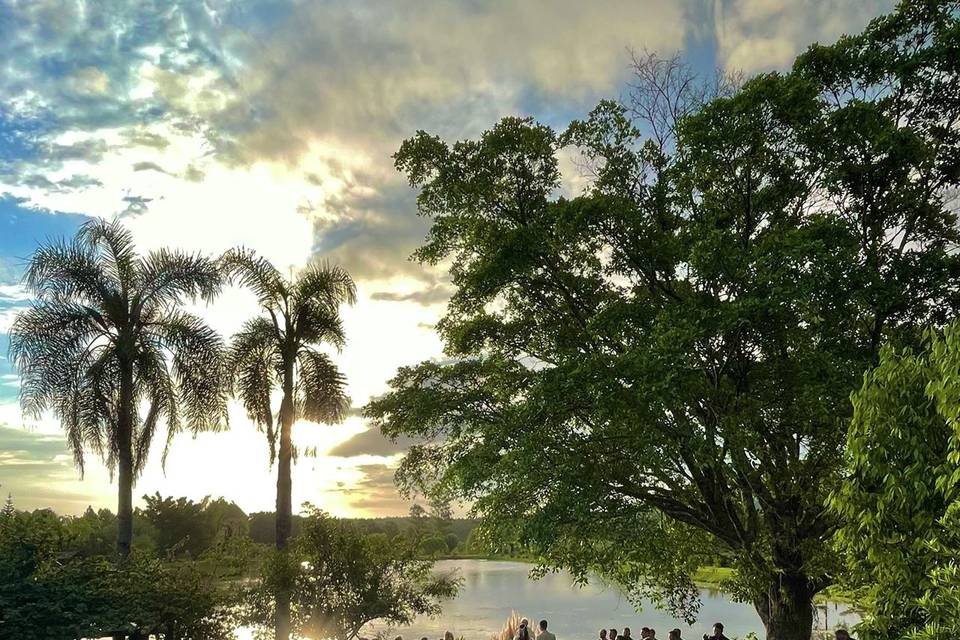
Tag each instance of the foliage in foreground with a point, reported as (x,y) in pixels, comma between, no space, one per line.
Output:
(900,505)
(50,590)
(663,364)
(339,580)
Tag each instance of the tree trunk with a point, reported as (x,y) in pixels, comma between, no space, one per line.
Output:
(786,609)
(125,461)
(284,495)
(125,467)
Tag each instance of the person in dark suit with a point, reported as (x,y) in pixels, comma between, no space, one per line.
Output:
(717,633)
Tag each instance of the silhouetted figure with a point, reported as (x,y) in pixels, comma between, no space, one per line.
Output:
(626,634)
(674,635)
(523,633)
(544,634)
(448,635)
(612,635)
(653,634)
(644,633)
(603,634)
(717,633)
(842,634)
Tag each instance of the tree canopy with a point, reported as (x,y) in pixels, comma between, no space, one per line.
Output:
(664,362)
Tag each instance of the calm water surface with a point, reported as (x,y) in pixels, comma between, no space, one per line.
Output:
(492,589)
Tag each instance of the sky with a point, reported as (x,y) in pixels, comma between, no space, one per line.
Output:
(270,124)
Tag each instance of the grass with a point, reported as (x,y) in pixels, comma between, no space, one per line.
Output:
(712,577)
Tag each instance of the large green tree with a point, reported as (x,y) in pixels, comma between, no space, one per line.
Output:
(663,364)
(900,503)
(108,349)
(281,349)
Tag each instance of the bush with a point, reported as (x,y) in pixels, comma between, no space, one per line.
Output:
(340,579)
(50,590)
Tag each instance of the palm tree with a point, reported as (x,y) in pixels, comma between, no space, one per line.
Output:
(106,336)
(280,349)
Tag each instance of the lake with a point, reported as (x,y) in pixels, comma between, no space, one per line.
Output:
(492,589)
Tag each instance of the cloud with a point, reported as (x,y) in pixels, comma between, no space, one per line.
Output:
(374,72)
(762,35)
(88,66)
(148,166)
(437,293)
(376,493)
(371,442)
(37,470)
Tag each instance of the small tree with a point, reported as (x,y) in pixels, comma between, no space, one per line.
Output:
(340,580)
(181,524)
(900,504)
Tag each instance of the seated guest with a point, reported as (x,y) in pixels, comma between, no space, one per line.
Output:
(626,634)
(674,635)
(612,635)
(603,634)
(644,633)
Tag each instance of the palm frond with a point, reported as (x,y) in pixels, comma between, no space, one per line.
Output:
(167,276)
(54,345)
(49,344)
(67,271)
(155,383)
(325,283)
(317,324)
(198,367)
(114,245)
(321,388)
(257,274)
(253,368)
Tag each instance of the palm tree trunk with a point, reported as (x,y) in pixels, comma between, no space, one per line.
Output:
(125,461)
(284,495)
(125,467)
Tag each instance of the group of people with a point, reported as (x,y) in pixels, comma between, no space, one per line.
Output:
(647,633)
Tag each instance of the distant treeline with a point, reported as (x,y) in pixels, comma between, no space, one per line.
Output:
(180,527)
(262,523)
